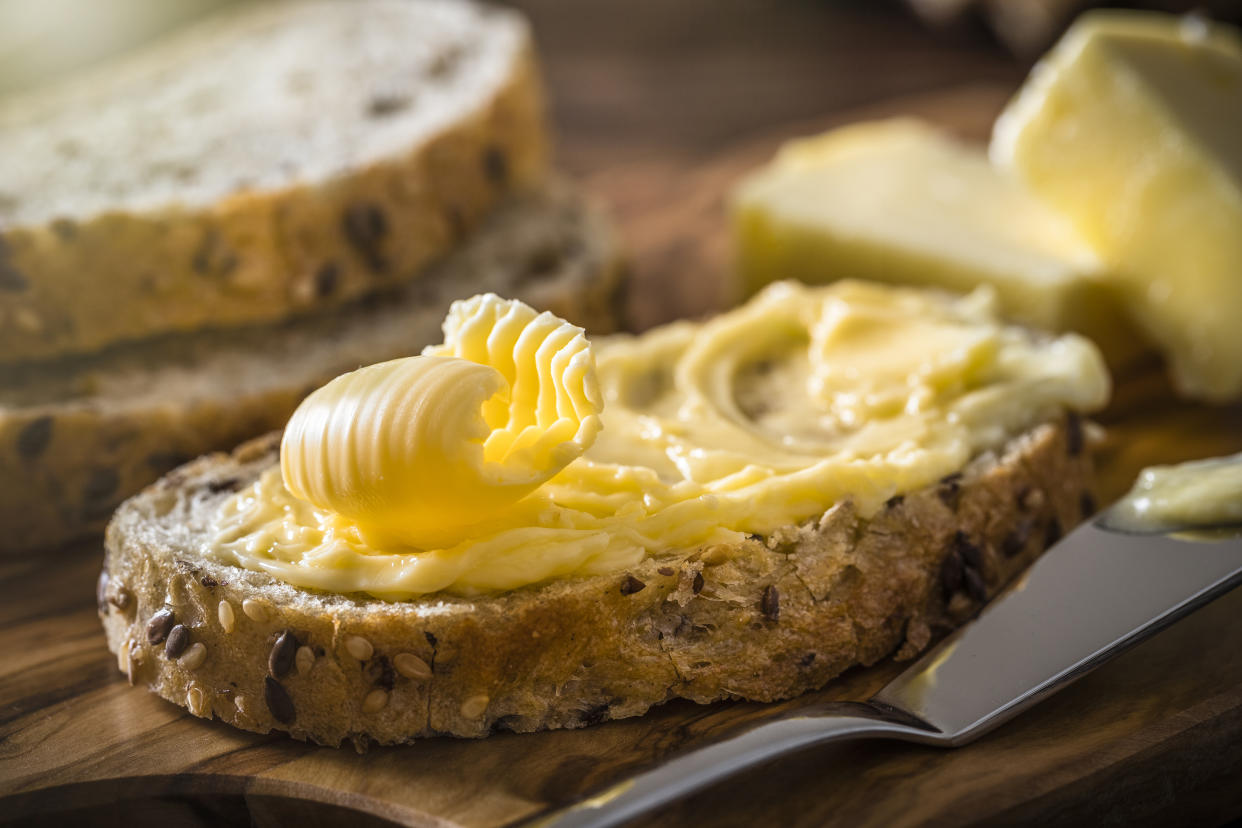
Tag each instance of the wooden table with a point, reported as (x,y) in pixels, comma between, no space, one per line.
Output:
(658,118)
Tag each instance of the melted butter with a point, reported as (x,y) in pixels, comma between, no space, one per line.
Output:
(1196,495)
(762,417)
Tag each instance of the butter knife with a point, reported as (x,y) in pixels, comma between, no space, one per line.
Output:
(1091,596)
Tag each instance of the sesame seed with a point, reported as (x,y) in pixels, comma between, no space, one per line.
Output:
(194,656)
(256,611)
(304,660)
(359,647)
(411,666)
(245,710)
(133,661)
(770,603)
(375,701)
(475,706)
(228,619)
(196,700)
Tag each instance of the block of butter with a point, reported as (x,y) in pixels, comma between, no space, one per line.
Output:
(899,201)
(1131,127)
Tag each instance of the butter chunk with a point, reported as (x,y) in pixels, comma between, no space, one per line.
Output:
(899,201)
(1132,128)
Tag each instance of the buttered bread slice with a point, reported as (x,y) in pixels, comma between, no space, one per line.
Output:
(740,508)
(271,160)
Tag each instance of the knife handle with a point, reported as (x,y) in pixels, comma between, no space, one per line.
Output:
(744,746)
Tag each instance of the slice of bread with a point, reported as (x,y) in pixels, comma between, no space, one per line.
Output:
(767,619)
(275,158)
(78,436)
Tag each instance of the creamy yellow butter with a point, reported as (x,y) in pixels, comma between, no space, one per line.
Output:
(1131,128)
(901,201)
(1195,495)
(761,417)
(414,450)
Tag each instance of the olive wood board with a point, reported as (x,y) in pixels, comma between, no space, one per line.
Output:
(1153,737)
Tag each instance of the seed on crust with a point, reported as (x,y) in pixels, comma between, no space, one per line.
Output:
(375,701)
(950,490)
(178,640)
(1018,538)
(770,603)
(304,659)
(365,227)
(280,660)
(101,592)
(631,585)
(411,666)
(1086,505)
(133,661)
(951,573)
(122,658)
(1074,440)
(228,618)
(65,229)
(359,647)
(666,571)
(213,257)
(278,702)
(595,713)
(159,626)
(475,706)
(326,279)
(256,611)
(98,494)
(971,554)
(196,701)
(697,585)
(34,437)
(194,657)
(975,587)
(496,165)
(227,484)
(120,597)
(1052,533)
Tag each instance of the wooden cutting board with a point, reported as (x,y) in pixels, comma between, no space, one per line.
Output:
(1154,737)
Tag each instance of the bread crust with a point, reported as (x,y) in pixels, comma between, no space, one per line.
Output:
(72,287)
(79,437)
(767,619)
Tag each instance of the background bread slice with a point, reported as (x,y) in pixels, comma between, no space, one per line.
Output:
(78,436)
(275,158)
(770,618)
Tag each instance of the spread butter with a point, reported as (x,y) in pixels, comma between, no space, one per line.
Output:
(1196,495)
(761,417)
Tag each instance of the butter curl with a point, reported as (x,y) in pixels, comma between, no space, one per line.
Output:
(416,451)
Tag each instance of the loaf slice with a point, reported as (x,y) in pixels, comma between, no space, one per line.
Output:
(78,436)
(275,158)
(766,619)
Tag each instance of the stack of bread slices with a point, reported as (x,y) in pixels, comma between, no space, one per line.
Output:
(195,236)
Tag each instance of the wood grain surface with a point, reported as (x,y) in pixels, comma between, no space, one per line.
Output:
(1154,737)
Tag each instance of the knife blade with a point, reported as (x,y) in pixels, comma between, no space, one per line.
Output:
(1094,594)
